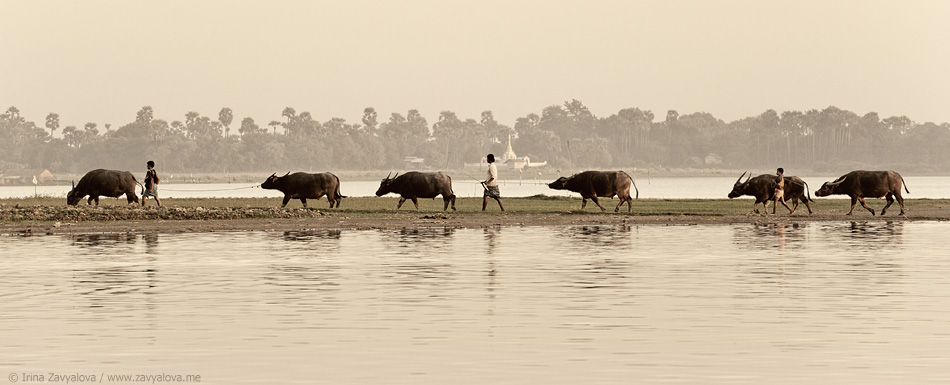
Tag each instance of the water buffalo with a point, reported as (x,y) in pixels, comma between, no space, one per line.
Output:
(762,188)
(110,183)
(303,186)
(603,184)
(867,184)
(413,185)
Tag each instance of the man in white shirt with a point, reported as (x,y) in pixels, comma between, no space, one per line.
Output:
(491,185)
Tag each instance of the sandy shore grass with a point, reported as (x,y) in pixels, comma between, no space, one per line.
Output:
(46,215)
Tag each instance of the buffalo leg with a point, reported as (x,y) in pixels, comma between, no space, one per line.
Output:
(303,201)
(807,205)
(597,202)
(401,201)
(890,200)
(499,203)
(583,203)
(863,204)
(286,199)
(415,201)
(447,200)
(900,200)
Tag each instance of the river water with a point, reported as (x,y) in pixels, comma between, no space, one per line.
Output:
(831,302)
(932,187)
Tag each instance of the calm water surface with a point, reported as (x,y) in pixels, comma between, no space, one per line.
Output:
(842,302)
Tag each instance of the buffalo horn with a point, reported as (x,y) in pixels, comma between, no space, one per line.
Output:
(74,185)
(740,178)
(389,175)
(394,176)
(835,183)
(288,173)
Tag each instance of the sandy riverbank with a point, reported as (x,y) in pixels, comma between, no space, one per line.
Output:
(50,216)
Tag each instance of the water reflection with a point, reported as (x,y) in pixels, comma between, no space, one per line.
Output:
(418,236)
(866,235)
(600,304)
(771,236)
(102,240)
(309,235)
(588,237)
(417,256)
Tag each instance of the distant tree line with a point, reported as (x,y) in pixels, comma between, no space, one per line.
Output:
(567,136)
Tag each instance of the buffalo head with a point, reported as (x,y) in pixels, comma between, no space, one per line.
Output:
(740,187)
(385,186)
(271,182)
(73,197)
(560,183)
(828,188)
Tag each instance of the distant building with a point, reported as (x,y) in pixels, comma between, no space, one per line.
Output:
(713,159)
(26,176)
(414,163)
(509,160)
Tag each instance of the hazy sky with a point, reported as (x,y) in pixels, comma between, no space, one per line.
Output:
(102,61)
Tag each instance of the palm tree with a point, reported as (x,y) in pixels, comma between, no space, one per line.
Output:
(290,114)
(225,117)
(52,122)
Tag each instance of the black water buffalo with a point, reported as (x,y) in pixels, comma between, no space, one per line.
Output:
(110,183)
(867,184)
(762,188)
(602,184)
(413,185)
(303,186)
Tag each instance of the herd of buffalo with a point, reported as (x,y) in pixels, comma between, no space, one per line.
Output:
(591,185)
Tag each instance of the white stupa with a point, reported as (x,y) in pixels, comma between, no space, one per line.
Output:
(509,153)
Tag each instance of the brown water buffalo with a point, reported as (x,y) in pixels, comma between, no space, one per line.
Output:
(110,183)
(862,184)
(762,188)
(599,184)
(413,185)
(303,186)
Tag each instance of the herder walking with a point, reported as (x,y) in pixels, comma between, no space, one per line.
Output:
(151,184)
(491,184)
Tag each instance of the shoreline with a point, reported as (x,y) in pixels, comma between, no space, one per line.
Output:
(25,218)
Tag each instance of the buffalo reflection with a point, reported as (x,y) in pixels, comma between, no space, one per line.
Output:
(309,235)
(414,256)
(98,240)
(112,243)
(866,235)
(419,236)
(780,236)
(586,237)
